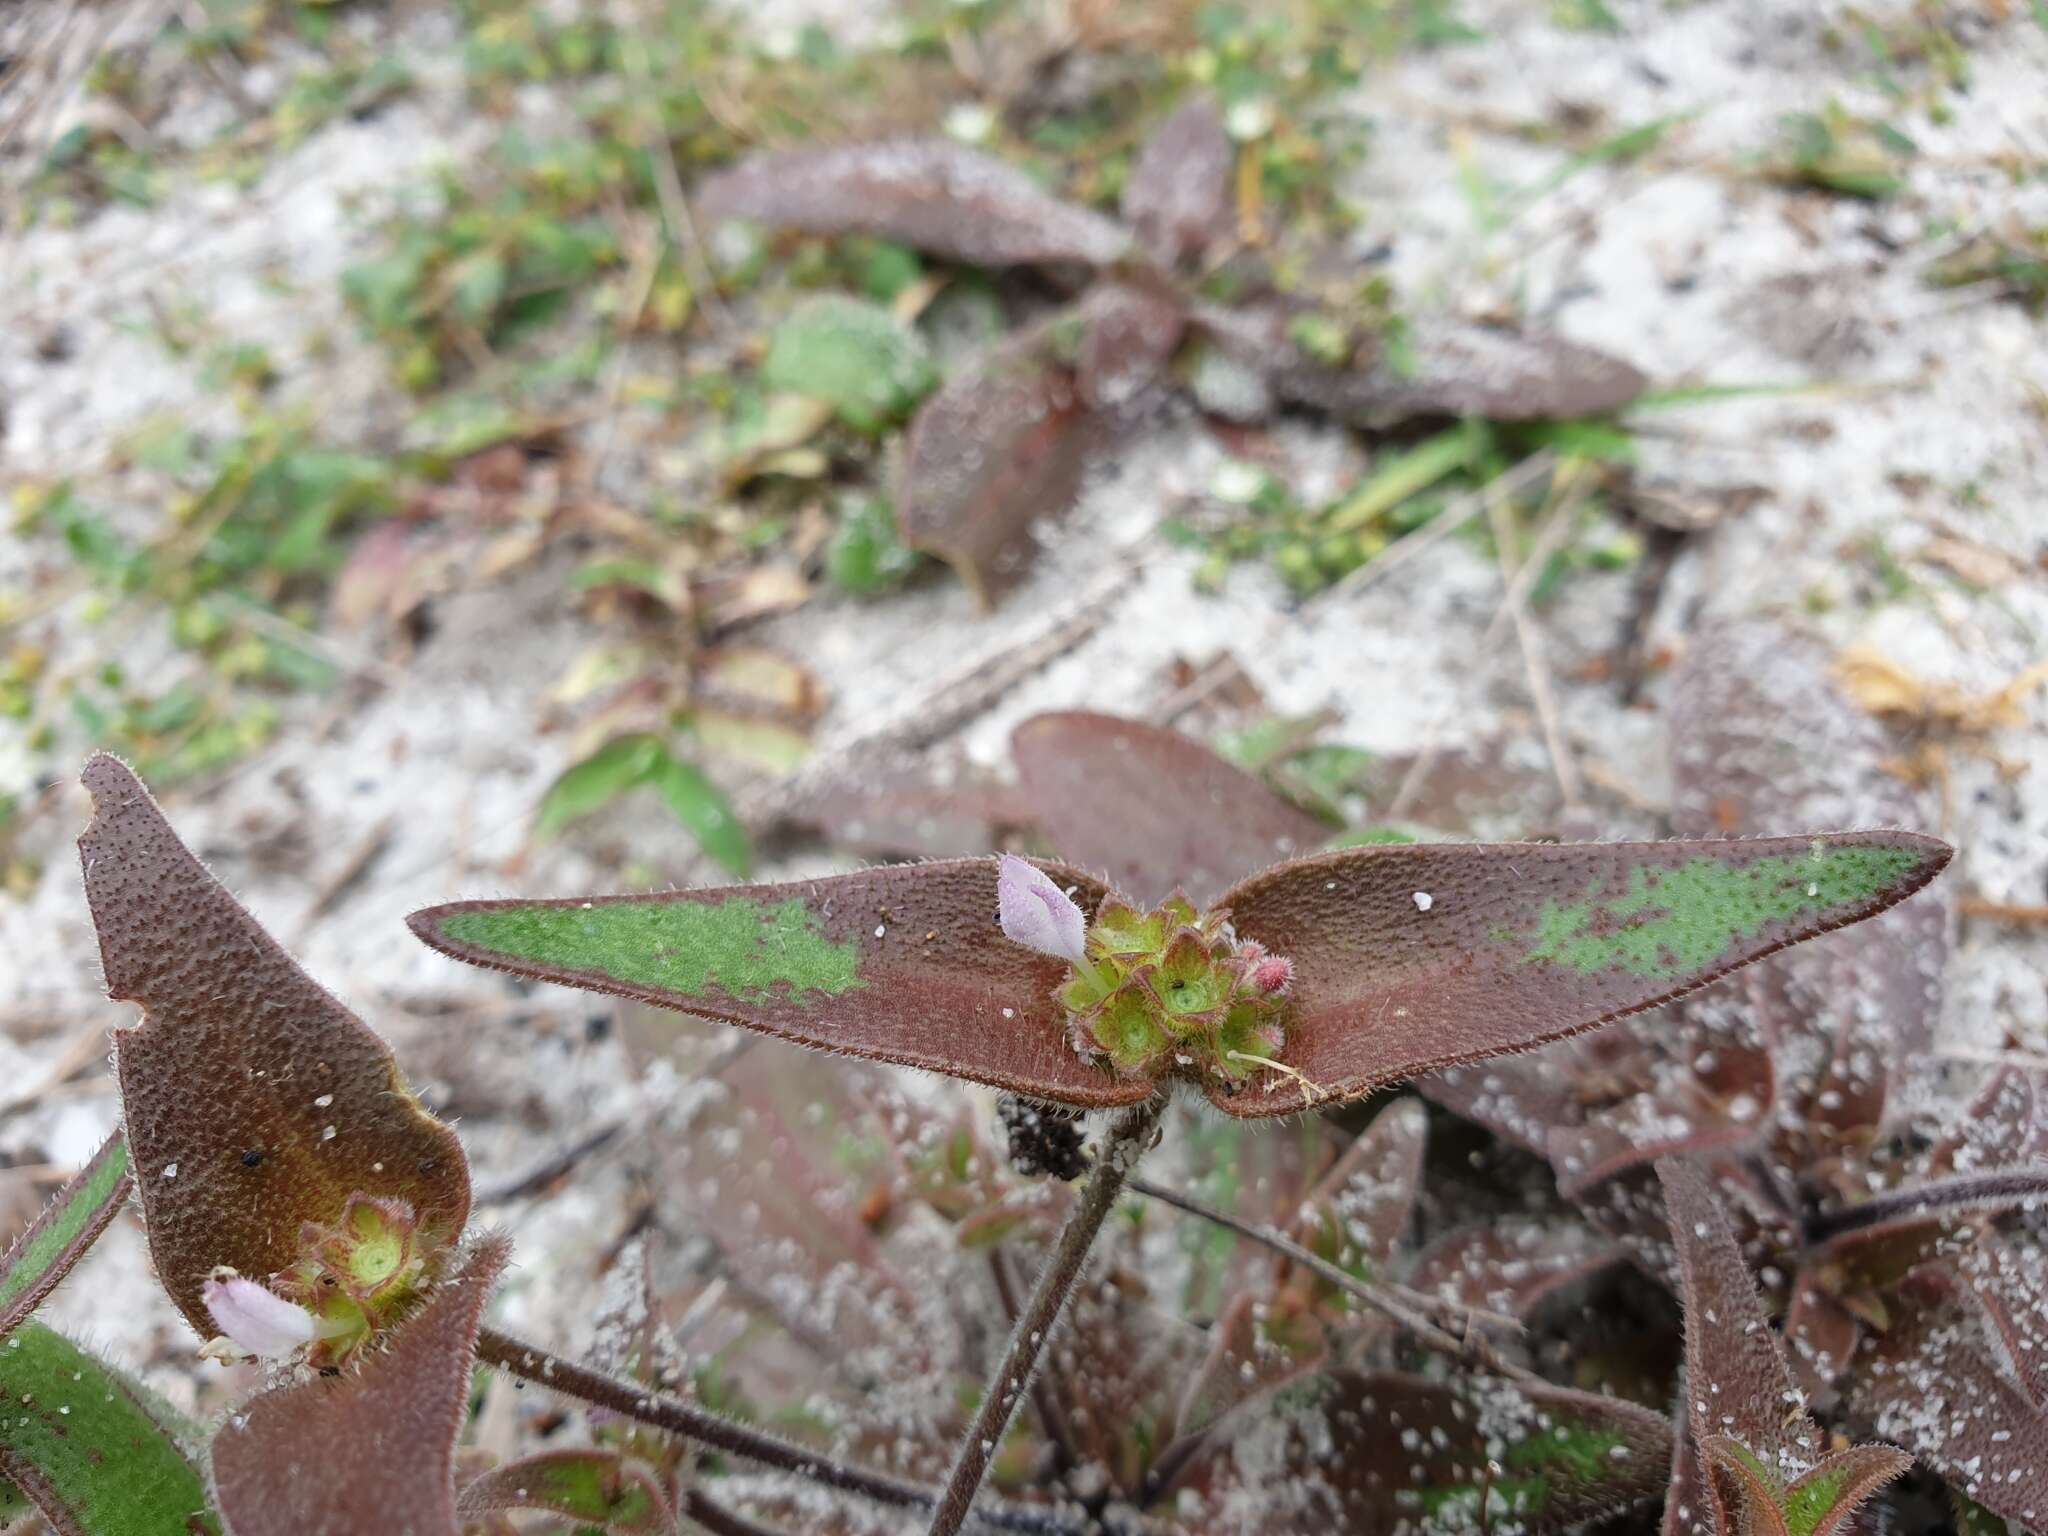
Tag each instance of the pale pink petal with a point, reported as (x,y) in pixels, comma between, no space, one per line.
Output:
(256,1319)
(1036,913)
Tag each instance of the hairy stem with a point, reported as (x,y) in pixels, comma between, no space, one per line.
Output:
(1127,1138)
(1404,1307)
(1985,1192)
(677,1415)
(719,1520)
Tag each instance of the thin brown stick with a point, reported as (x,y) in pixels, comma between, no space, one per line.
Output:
(2002,911)
(668,191)
(1126,1140)
(1397,1303)
(1562,764)
(662,1410)
(1457,512)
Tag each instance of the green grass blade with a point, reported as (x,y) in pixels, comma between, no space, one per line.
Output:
(701,806)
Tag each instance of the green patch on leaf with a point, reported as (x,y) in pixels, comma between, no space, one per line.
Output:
(1586,1455)
(1808,1501)
(85,1446)
(749,950)
(1674,922)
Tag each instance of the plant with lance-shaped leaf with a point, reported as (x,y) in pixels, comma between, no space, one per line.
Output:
(1899,1229)
(1400,959)
(302,1205)
(1753,1463)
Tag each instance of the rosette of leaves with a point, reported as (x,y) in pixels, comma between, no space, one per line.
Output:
(893,1233)
(1905,1235)
(1004,442)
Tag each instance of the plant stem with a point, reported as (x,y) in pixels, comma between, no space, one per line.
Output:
(1988,1193)
(719,1520)
(1404,1307)
(1127,1138)
(679,1416)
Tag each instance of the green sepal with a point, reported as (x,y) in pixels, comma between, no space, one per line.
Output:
(1121,929)
(1127,1030)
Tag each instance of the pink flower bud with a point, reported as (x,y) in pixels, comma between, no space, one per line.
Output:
(1036,913)
(1273,975)
(255,1319)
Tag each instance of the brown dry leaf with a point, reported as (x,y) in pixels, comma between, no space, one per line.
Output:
(254,1100)
(1177,196)
(1887,688)
(751,675)
(726,602)
(1978,564)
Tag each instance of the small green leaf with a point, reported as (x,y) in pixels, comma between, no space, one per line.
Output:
(595,782)
(865,556)
(59,1237)
(1405,474)
(87,1448)
(859,357)
(701,806)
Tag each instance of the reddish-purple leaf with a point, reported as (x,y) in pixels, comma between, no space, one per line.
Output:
(1448,368)
(784,1173)
(902,964)
(1825,1500)
(1706,1083)
(370,1452)
(1150,808)
(2007,1276)
(1404,1456)
(1177,195)
(1435,367)
(253,1100)
(1487,790)
(1001,445)
(1820,1332)
(1128,337)
(1745,1492)
(1737,1382)
(895,809)
(1688,1506)
(929,193)
(1412,957)
(1255,1349)
(1931,1382)
(1871,1001)
(1512,1265)
(2006,1126)
(1359,1211)
(1355,1217)
(595,1488)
